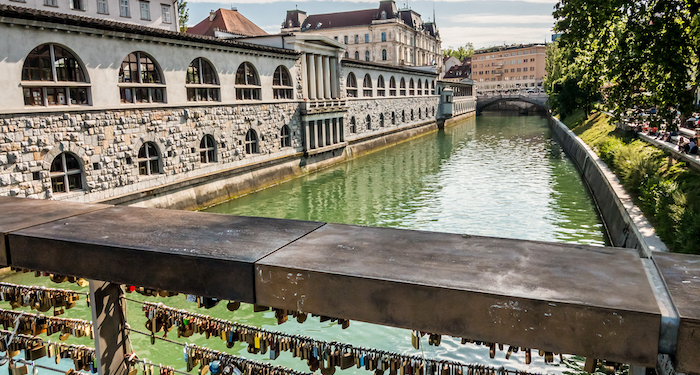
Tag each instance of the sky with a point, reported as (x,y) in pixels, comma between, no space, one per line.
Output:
(481,22)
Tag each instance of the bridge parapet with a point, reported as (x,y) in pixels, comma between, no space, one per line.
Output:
(584,300)
(539,100)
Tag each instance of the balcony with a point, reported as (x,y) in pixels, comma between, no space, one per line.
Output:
(312,107)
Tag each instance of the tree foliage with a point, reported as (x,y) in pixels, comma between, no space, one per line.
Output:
(183,15)
(460,53)
(564,83)
(638,53)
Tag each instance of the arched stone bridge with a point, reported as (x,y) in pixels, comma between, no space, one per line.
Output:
(537,100)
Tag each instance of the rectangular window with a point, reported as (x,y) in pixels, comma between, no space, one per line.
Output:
(124,8)
(145,10)
(366,38)
(345,39)
(102,7)
(383,37)
(165,9)
(335,37)
(51,3)
(77,4)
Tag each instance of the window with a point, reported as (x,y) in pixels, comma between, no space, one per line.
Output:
(351,85)
(392,86)
(420,113)
(77,4)
(366,38)
(345,40)
(384,55)
(285,137)
(247,83)
(393,118)
(357,39)
(357,55)
(335,37)
(66,174)
(202,82)
(381,120)
(402,87)
(124,8)
(347,55)
(47,65)
(380,86)
(383,37)
(102,7)
(282,84)
(207,149)
(165,10)
(367,86)
(148,159)
(420,88)
(51,3)
(369,122)
(411,114)
(140,80)
(411,87)
(403,116)
(353,125)
(367,55)
(145,7)
(426,92)
(251,142)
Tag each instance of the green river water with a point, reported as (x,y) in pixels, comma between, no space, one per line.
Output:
(494,175)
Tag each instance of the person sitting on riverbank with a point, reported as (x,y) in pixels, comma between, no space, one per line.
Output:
(693,147)
(682,145)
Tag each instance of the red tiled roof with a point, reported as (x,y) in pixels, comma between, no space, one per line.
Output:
(228,21)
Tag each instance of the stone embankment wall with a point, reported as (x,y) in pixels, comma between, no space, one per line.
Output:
(624,222)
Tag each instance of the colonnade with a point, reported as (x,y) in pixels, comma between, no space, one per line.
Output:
(322,77)
(323,132)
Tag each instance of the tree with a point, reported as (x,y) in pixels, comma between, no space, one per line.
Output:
(564,82)
(640,53)
(183,14)
(460,53)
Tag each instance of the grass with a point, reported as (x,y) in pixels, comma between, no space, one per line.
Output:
(669,195)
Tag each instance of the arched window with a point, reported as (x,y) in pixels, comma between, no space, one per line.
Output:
(381,120)
(432,87)
(411,114)
(285,137)
(207,149)
(148,159)
(392,86)
(420,113)
(367,86)
(393,118)
(202,82)
(369,122)
(353,125)
(426,92)
(367,55)
(140,80)
(66,173)
(347,55)
(282,84)
(51,63)
(380,86)
(402,87)
(247,82)
(420,88)
(251,142)
(357,54)
(403,116)
(351,85)
(384,55)
(411,87)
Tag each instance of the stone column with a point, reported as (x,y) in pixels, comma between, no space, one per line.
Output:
(335,130)
(311,75)
(319,77)
(307,135)
(335,87)
(304,79)
(326,78)
(322,132)
(109,319)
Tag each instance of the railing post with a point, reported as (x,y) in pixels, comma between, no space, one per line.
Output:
(109,320)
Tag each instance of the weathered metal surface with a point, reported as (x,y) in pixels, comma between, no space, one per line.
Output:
(584,300)
(199,253)
(681,273)
(17,213)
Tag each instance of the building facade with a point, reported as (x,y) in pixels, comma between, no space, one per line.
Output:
(518,68)
(161,14)
(151,110)
(384,35)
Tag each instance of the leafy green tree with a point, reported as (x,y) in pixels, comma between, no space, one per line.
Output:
(183,14)
(641,53)
(460,53)
(564,82)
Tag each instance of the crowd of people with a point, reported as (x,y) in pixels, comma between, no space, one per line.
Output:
(687,144)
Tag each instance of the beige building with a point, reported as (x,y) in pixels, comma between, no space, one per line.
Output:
(384,35)
(518,68)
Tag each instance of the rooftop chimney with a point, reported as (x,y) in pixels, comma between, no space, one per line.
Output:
(212,15)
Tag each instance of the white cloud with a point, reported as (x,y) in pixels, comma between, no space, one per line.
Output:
(492,36)
(491,18)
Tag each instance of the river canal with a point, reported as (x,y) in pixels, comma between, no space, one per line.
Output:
(494,175)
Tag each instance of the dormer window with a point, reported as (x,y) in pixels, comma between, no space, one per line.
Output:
(383,14)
